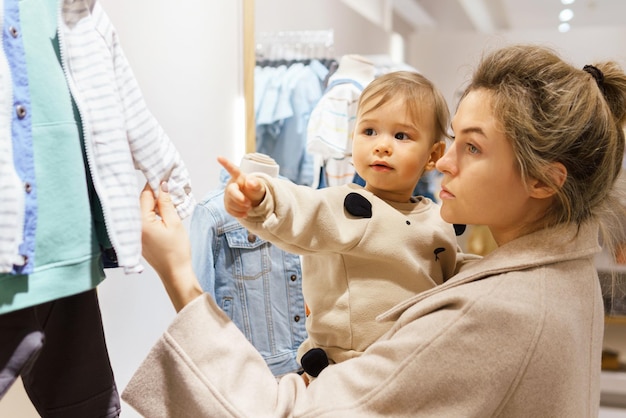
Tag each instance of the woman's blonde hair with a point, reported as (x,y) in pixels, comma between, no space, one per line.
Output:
(419,94)
(554,112)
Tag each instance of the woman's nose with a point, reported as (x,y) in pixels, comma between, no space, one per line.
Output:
(444,164)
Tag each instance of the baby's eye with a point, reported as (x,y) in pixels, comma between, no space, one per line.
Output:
(368,131)
(401,135)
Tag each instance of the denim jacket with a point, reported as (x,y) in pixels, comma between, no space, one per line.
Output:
(257,284)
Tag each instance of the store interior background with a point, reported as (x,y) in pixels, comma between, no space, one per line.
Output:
(187,57)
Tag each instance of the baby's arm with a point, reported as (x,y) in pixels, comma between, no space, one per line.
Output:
(296,218)
(243,191)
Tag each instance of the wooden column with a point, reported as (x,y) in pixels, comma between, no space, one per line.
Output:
(249,61)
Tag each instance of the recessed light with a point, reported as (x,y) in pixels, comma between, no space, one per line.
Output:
(566,15)
(564,27)
(566,2)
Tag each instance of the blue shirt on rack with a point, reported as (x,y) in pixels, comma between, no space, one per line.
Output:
(289,95)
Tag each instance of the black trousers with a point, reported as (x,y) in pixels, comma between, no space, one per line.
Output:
(59,350)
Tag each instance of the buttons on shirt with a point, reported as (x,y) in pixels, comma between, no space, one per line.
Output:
(293,277)
(296,318)
(20,110)
(13,31)
(251,238)
(27,187)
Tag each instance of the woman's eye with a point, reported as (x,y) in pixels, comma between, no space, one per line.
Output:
(472,149)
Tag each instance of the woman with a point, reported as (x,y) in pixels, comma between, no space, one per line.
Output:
(538,147)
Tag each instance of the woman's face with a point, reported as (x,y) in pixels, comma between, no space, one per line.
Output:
(481,183)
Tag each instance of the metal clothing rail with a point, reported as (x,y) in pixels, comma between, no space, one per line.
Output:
(294,45)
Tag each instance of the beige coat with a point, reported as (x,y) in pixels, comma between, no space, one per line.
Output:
(517,334)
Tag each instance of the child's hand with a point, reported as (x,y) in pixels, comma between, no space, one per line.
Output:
(242,192)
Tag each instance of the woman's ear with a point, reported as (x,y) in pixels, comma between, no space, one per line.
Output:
(436,152)
(540,190)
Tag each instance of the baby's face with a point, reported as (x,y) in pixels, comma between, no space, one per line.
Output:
(391,149)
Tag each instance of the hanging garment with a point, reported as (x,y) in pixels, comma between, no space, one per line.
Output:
(257,284)
(289,94)
(330,127)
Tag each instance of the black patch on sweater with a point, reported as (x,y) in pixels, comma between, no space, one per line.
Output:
(358,206)
(314,361)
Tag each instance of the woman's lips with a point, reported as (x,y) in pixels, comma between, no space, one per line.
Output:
(445,194)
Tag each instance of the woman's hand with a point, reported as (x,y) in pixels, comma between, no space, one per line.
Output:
(166,246)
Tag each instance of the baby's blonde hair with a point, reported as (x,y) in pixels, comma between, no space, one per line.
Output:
(419,94)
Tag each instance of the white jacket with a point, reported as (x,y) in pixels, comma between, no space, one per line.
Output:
(120,133)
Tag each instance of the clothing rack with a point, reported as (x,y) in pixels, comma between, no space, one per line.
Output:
(270,48)
(294,45)
(289,79)
(329,63)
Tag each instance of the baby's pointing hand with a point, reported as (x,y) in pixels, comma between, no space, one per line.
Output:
(242,192)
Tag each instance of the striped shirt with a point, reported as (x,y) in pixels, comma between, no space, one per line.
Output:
(120,134)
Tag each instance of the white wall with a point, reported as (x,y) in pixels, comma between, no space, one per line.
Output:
(353,33)
(186,56)
(447,58)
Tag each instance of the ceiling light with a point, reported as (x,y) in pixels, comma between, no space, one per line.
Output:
(564,27)
(566,2)
(566,15)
